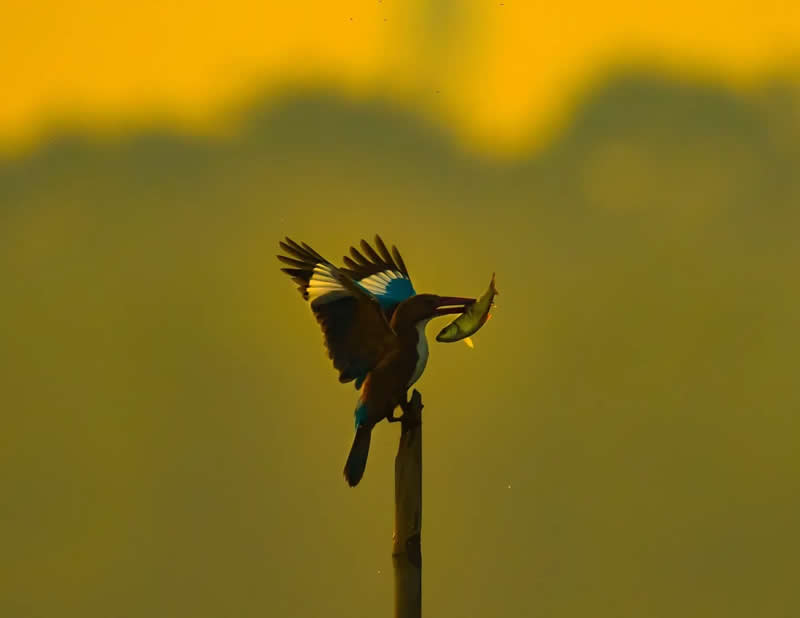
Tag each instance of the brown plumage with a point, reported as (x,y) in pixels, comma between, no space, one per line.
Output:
(376,345)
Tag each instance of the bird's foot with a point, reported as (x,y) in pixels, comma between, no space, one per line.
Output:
(403,405)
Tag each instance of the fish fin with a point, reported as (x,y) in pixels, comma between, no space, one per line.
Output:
(468,341)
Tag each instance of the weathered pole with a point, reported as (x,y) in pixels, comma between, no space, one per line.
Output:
(406,547)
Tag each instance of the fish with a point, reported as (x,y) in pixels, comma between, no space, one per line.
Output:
(469,322)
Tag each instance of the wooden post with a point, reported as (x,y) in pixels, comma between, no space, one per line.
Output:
(406,547)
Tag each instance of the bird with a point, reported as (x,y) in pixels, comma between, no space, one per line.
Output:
(373,323)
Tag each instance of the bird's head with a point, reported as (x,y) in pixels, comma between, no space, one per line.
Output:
(423,307)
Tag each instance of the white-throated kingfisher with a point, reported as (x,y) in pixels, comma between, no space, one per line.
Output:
(374,327)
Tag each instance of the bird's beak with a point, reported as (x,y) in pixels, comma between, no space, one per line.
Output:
(452,304)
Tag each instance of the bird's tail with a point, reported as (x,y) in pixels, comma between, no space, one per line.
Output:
(357,459)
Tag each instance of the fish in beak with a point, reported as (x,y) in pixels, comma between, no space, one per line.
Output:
(471,320)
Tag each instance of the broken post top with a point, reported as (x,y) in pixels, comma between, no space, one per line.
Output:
(412,415)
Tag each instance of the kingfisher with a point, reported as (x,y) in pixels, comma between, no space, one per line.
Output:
(373,323)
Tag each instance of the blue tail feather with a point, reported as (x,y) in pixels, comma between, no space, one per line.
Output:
(360,413)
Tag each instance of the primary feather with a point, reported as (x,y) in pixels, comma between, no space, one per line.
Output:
(353,305)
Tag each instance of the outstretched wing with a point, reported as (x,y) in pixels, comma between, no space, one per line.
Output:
(357,333)
(381,273)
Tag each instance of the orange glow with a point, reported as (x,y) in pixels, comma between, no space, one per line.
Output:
(497,73)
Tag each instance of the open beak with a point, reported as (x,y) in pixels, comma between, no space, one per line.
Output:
(452,304)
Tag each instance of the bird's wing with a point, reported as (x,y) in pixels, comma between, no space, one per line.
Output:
(357,333)
(380,272)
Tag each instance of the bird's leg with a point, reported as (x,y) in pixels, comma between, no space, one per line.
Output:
(393,419)
(404,403)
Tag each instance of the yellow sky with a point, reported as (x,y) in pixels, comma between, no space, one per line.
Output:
(497,72)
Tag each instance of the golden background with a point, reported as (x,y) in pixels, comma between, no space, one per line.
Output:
(622,441)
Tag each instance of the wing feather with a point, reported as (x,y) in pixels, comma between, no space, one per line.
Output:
(373,256)
(382,272)
(385,255)
(358,257)
(356,330)
(399,259)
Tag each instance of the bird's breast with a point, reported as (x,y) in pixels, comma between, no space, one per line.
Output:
(422,353)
